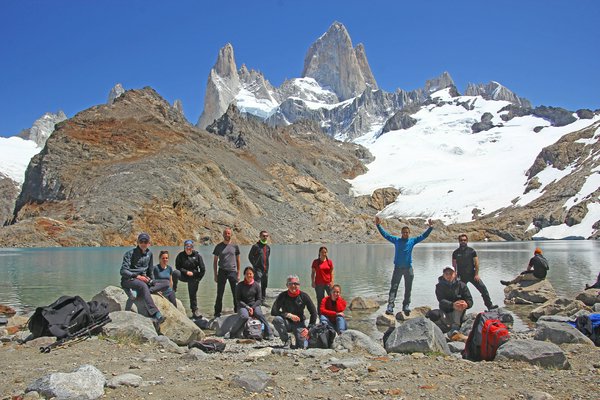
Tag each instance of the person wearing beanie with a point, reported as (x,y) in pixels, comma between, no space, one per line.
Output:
(189,268)
(536,269)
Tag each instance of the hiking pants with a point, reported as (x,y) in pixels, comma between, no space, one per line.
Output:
(284,325)
(222,277)
(480,286)
(143,291)
(263,279)
(163,286)
(408,275)
(340,323)
(320,292)
(192,285)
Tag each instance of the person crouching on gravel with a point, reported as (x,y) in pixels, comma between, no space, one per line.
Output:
(288,310)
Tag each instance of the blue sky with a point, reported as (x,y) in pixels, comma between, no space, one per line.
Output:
(66,55)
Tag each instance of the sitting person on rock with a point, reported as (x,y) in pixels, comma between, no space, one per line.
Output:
(595,285)
(536,269)
(248,296)
(454,300)
(288,310)
(163,279)
(332,310)
(136,274)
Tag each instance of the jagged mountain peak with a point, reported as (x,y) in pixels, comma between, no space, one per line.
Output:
(495,91)
(115,92)
(441,82)
(333,63)
(225,65)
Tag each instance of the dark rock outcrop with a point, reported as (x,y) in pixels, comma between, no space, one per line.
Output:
(556,115)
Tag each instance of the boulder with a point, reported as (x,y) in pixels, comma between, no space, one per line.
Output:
(222,325)
(385,320)
(589,297)
(252,380)
(130,325)
(559,333)
(416,312)
(116,298)
(544,354)
(353,338)
(529,292)
(177,326)
(360,303)
(417,335)
(130,380)
(195,354)
(86,382)
(558,306)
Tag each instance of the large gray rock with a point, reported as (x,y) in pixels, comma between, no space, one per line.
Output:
(253,381)
(352,338)
(417,335)
(558,306)
(127,324)
(544,354)
(589,297)
(116,298)
(385,320)
(360,303)
(177,326)
(86,382)
(559,333)
(130,380)
(528,292)
(416,312)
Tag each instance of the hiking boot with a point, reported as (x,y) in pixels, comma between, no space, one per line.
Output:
(458,337)
(159,318)
(389,311)
(505,283)
(196,314)
(406,310)
(492,307)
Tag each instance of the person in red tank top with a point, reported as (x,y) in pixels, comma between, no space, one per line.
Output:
(322,275)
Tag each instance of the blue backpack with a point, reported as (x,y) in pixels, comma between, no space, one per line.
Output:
(589,325)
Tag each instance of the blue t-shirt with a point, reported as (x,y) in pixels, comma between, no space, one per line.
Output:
(160,273)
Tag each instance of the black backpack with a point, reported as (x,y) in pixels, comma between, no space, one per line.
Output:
(208,345)
(321,337)
(65,317)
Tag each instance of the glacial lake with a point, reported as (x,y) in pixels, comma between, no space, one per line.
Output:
(36,277)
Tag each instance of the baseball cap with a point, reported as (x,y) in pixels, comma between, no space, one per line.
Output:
(450,267)
(188,243)
(143,236)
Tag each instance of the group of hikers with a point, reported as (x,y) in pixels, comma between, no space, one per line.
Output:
(140,275)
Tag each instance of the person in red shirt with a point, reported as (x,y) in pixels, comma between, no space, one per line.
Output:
(332,310)
(322,274)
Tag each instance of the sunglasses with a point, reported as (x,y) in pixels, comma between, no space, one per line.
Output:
(294,284)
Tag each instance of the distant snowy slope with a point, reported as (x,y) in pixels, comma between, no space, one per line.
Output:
(15,154)
(445,171)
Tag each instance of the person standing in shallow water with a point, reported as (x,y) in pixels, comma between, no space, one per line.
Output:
(259,258)
(322,275)
(466,264)
(403,247)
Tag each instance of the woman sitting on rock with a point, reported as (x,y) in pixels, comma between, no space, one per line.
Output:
(248,298)
(163,279)
(332,310)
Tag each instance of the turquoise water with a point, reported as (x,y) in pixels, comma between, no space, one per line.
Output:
(36,277)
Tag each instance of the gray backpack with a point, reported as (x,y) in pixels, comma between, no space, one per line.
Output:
(253,329)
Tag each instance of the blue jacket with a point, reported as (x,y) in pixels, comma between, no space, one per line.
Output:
(404,247)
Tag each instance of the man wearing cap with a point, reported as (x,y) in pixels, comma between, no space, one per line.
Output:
(227,258)
(259,258)
(536,269)
(454,299)
(136,274)
(189,269)
(403,247)
(466,264)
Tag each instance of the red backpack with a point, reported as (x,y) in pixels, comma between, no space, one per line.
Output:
(487,334)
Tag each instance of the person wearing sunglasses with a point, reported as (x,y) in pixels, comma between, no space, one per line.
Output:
(288,310)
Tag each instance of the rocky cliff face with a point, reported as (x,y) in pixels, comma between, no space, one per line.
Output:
(495,91)
(10,191)
(115,92)
(114,170)
(43,127)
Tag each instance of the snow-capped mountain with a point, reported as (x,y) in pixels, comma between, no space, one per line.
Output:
(452,157)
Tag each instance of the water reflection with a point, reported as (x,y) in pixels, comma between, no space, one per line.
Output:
(34,277)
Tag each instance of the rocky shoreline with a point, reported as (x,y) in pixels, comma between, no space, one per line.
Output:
(129,360)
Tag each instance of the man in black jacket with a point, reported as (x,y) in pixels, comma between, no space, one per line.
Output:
(288,310)
(454,300)
(189,269)
(259,258)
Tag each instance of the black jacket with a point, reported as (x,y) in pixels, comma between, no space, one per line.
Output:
(248,296)
(193,263)
(259,256)
(294,305)
(449,292)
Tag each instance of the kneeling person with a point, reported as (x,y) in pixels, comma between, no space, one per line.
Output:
(332,310)
(249,299)
(454,300)
(288,310)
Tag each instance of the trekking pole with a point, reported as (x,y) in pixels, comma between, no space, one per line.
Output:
(78,336)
